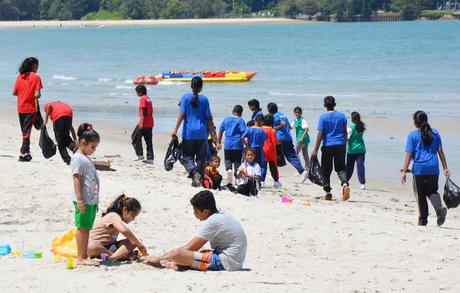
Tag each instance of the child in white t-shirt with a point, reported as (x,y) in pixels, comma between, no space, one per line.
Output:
(248,175)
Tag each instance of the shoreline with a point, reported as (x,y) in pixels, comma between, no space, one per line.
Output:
(145,22)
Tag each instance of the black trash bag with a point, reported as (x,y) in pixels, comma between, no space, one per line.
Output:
(315,174)
(451,194)
(280,155)
(46,144)
(172,154)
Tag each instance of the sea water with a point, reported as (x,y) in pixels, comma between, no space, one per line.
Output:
(383,70)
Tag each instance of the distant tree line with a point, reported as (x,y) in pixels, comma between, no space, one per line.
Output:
(167,9)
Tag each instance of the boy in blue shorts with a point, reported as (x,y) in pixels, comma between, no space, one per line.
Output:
(221,230)
(234,127)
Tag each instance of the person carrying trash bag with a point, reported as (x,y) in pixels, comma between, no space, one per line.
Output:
(61,114)
(423,147)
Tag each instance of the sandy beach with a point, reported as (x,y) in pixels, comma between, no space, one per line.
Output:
(369,244)
(143,22)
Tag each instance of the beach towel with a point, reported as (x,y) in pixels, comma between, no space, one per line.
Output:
(451,194)
(172,154)
(46,144)
(315,174)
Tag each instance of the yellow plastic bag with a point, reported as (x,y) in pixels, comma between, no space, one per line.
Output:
(66,244)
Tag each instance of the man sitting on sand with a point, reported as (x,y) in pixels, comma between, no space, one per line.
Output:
(224,233)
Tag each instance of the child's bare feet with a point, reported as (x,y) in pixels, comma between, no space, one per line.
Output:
(86,262)
(151,260)
(171,265)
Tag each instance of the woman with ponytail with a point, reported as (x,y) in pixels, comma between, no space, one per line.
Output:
(423,147)
(27,88)
(356,150)
(198,123)
(103,237)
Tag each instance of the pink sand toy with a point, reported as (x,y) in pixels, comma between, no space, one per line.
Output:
(284,198)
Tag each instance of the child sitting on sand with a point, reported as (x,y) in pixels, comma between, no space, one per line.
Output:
(248,175)
(103,237)
(254,137)
(223,232)
(86,186)
(212,178)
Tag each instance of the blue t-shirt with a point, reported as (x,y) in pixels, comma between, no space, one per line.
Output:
(254,116)
(425,157)
(333,125)
(256,137)
(234,128)
(284,133)
(196,118)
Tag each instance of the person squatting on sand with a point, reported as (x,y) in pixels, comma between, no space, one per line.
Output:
(234,127)
(423,147)
(248,175)
(86,187)
(27,88)
(61,115)
(196,115)
(224,233)
(283,134)
(212,178)
(144,127)
(301,134)
(103,236)
(332,133)
(356,149)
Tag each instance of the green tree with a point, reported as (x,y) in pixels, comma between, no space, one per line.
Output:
(408,8)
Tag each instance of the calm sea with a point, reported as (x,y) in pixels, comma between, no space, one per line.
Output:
(383,70)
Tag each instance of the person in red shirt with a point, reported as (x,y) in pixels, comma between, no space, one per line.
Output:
(212,178)
(61,114)
(144,126)
(27,88)
(270,151)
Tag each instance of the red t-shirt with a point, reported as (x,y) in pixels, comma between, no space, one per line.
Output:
(58,110)
(269,144)
(146,103)
(25,86)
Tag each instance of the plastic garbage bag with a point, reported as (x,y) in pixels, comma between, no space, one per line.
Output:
(172,154)
(451,194)
(315,174)
(66,244)
(46,144)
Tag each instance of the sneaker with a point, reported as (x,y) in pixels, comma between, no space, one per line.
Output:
(25,158)
(328,196)
(196,179)
(363,187)
(345,192)
(139,158)
(277,184)
(262,184)
(148,162)
(441,213)
(422,222)
(303,176)
(229,176)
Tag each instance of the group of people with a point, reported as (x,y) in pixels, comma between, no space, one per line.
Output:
(249,149)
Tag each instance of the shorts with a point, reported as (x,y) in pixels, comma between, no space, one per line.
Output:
(210,261)
(85,220)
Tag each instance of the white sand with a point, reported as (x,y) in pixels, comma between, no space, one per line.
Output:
(142,22)
(368,244)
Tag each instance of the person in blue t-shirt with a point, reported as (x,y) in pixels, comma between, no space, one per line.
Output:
(283,134)
(254,137)
(332,133)
(254,105)
(423,147)
(234,127)
(198,122)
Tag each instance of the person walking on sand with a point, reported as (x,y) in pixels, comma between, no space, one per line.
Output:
(356,150)
(301,133)
(144,127)
(423,147)
(282,127)
(61,115)
(196,115)
(27,88)
(332,133)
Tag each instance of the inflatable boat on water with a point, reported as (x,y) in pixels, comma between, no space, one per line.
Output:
(207,76)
